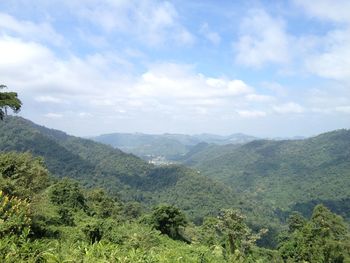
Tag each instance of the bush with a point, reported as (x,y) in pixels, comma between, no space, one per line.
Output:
(14,215)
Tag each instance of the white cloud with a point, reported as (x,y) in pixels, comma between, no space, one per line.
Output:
(262,40)
(152,22)
(251,113)
(53,115)
(290,107)
(343,109)
(95,40)
(333,60)
(259,98)
(49,99)
(102,102)
(15,52)
(85,114)
(276,88)
(31,66)
(29,30)
(180,82)
(322,110)
(327,9)
(328,101)
(210,35)
(95,82)
(334,110)
(329,55)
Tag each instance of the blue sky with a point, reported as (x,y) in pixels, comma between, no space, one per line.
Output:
(266,68)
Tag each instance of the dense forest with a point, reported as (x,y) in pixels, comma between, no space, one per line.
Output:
(283,175)
(50,219)
(123,175)
(68,199)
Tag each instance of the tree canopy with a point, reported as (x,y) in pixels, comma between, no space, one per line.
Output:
(8,100)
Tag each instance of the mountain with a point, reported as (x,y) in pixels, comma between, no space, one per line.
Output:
(125,175)
(171,146)
(236,138)
(146,145)
(281,176)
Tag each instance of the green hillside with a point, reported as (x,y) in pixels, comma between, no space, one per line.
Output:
(205,151)
(56,220)
(283,175)
(125,175)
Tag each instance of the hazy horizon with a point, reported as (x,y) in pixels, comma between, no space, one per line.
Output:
(181,133)
(262,68)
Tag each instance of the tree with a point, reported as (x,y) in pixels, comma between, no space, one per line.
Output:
(295,222)
(323,238)
(14,215)
(67,192)
(102,205)
(231,225)
(8,99)
(22,175)
(168,220)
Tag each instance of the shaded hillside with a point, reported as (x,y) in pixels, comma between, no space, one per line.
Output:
(204,151)
(283,175)
(95,164)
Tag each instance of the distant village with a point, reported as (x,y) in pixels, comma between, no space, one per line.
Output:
(158,160)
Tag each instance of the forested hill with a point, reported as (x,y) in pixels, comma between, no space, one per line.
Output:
(171,146)
(98,165)
(284,175)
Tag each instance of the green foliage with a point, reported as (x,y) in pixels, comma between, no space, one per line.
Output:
(273,178)
(14,215)
(168,220)
(132,210)
(238,236)
(8,100)
(82,225)
(295,222)
(66,216)
(324,238)
(68,193)
(102,205)
(123,175)
(22,174)
(93,231)
(59,220)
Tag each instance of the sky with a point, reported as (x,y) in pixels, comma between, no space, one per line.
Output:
(265,68)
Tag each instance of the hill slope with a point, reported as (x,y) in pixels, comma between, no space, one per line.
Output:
(95,164)
(284,175)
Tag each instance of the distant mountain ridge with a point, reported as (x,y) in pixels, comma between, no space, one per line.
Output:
(171,146)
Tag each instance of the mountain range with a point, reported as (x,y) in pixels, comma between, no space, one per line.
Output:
(170,146)
(267,179)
